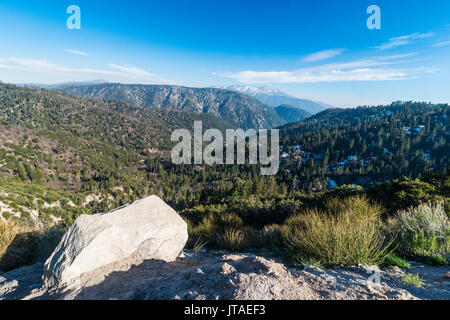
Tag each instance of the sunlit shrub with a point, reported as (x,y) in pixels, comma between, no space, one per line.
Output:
(232,240)
(8,231)
(22,245)
(422,232)
(347,233)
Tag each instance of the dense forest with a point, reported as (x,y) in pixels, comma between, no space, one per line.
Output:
(366,145)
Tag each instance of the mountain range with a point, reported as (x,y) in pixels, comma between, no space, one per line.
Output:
(275,97)
(241,106)
(238,109)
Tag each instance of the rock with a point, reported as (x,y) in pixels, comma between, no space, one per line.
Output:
(396,269)
(148,228)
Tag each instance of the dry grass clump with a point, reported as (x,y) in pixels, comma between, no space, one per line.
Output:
(14,244)
(226,231)
(273,236)
(9,229)
(232,240)
(23,245)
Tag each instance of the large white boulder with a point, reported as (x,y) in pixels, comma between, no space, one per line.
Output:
(148,227)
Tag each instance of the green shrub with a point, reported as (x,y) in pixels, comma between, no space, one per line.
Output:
(303,262)
(17,250)
(394,260)
(422,232)
(228,221)
(434,260)
(212,225)
(411,279)
(199,245)
(232,240)
(7,215)
(348,233)
(205,230)
(46,241)
(272,236)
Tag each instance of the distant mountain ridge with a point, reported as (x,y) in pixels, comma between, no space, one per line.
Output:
(275,97)
(236,108)
(61,85)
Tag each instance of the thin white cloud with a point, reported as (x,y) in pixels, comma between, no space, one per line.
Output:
(322,55)
(404,40)
(79,53)
(6,66)
(441,44)
(375,69)
(34,64)
(42,66)
(132,70)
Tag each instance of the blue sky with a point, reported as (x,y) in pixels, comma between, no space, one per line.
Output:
(320,50)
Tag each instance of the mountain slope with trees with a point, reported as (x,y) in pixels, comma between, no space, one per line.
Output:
(291,114)
(72,147)
(369,144)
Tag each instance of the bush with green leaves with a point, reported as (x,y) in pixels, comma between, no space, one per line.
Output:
(422,232)
(272,236)
(232,240)
(411,279)
(347,233)
(393,260)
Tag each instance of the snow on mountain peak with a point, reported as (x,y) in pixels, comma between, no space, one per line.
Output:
(251,90)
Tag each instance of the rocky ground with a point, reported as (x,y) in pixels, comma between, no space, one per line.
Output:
(221,275)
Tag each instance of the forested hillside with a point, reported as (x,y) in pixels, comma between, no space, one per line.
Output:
(291,114)
(56,146)
(368,144)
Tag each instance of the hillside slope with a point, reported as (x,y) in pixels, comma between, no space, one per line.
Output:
(55,146)
(370,144)
(291,114)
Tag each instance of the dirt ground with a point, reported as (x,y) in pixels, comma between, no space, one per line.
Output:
(215,275)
